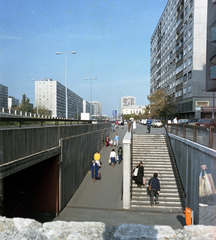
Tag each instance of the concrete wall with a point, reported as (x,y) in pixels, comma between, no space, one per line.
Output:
(189,157)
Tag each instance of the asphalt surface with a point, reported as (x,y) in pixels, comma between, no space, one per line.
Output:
(100,201)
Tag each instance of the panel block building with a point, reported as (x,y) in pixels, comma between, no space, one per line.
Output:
(178,56)
(51,94)
(3,96)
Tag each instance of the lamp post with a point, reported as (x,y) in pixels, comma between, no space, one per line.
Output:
(90,93)
(59,53)
(37,92)
(120,103)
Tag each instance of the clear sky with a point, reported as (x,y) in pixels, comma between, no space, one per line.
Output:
(111,39)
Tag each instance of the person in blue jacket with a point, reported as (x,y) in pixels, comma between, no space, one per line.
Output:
(95,171)
(148,123)
(116,140)
(155,188)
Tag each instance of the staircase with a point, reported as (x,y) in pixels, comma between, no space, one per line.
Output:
(152,150)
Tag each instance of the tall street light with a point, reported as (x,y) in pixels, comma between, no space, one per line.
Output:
(37,92)
(120,104)
(59,53)
(90,93)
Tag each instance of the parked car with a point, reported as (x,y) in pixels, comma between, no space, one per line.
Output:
(206,122)
(192,121)
(143,121)
(157,123)
(182,121)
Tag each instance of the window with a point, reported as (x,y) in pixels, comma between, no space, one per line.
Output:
(185,90)
(189,89)
(213,33)
(185,77)
(190,46)
(213,68)
(185,37)
(190,32)
(191,3)
(189,61)
(185,51)
(190,75)
(185,64)
(186,10)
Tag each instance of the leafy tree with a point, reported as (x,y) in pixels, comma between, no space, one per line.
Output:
(42,111)
(147,112)
(25,105)
(161,105)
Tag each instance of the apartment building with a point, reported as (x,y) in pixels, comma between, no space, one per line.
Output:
(3,96)
(96,108)
(12,101)
(133,109)
(178,56)
(127,101)
(51,94)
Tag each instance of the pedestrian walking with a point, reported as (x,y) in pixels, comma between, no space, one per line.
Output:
(134,125)
(154,187)
(175,120)
(138,174)
(148,123)
(120,153)
(107,140)
(113,127)
(97,158)
(112,157)
(116,140)
(95,171)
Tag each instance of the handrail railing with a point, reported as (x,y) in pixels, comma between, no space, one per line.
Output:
(56,121)
(200,134)
(131,159)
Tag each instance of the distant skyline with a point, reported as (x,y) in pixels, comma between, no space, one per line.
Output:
(111,40)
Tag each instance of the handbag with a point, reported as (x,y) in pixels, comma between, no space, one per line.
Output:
(117,158)
(109,160)
(150,185)
(135,173)
(144,180)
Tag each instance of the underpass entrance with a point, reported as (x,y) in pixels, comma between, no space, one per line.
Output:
(33,192)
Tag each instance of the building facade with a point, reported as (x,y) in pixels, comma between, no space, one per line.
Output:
(127,101)
(51,94)
(3,96)
(133,109)
(211,47)
(86,107)
(178,56)
(12,101)
(96,108)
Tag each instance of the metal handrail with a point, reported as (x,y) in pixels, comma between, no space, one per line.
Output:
(131,160)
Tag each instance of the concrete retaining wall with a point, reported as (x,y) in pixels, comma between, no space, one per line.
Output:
(189,157)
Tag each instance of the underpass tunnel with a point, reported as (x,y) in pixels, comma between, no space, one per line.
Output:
(33,192)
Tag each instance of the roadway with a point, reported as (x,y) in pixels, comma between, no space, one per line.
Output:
(101,201)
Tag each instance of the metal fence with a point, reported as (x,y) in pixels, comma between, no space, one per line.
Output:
(202,135)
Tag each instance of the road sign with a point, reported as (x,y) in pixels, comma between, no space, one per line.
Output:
(114,113)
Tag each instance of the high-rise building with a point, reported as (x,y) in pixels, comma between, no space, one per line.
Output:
(178,56)
(3,96)
(97,108)
(86,106)
(12,101)
(51,94)
(127,101)
(211,47)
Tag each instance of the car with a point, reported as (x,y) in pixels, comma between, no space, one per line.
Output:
(143,121)
(182,121)
(206,122)
(157,123)
(192,121)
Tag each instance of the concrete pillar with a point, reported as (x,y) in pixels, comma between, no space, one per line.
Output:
(126,170)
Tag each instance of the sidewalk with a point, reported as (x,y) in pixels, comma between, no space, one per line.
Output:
(101,201)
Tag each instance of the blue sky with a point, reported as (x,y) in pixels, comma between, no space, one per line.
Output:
(111,39)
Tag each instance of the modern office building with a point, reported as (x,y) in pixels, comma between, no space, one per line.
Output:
(51,94)
(178,56)
(86,106)
(96,108)
(12,101)
(127,101)
(133,109)
(211,47)
(3,96)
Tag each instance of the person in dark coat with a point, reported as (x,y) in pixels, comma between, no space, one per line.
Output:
(139,178)
(155,188)
(95,171)
(120,153)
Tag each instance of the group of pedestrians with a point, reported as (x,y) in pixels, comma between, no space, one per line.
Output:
(154,183)
(114,158)
(110,143)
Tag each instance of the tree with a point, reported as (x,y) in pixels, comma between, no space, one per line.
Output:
(25,106)
(161,105)
(42,111)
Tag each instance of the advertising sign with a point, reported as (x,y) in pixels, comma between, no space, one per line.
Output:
(202,103)
(114,113)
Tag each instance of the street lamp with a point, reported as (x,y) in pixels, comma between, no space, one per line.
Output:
(120,103)
(37,92)
(90,92)
(59,53)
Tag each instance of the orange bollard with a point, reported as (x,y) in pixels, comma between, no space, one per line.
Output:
(187,216)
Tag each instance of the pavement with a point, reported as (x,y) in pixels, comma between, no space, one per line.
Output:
(100,201)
